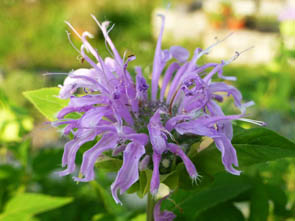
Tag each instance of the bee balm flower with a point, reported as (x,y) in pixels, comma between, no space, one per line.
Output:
(126,120)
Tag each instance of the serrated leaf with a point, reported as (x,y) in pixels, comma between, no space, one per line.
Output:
(46,101)
(253,146)
(25,205)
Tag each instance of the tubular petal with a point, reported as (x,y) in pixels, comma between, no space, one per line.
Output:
(128,174)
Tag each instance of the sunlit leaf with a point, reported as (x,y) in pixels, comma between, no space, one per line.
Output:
(46,101)
(25,205)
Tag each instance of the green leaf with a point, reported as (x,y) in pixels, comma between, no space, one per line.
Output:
(140,217)
(144,182)
(25,205)
(279,198)
(259,203)
(222,212)
(109,204)
(142,186)
(21,151)
(224,188)
(108,164)
(8,172)
(145,176)
(254,146)
(45,161)
(46,101)
(172,180)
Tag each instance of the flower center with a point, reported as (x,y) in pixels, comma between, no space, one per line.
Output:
(145,112)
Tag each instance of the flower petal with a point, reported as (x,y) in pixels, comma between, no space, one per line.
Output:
(128,174)
(156,132)
(167,77)
(228,154)
(80,104)
(155,181)
(195,127)
(144,162)
(175,83)
(190,167)
(141,85)
(179,53)
(171,123)
(71,84)
(160,59)
(71,149)
(108,141)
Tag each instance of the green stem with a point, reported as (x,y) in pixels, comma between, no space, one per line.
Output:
(150,208)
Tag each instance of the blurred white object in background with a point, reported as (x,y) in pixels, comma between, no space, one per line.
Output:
(271,8)
(180,24)
(264,51)
(244,7)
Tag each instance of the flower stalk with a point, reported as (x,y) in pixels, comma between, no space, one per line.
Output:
(150,207)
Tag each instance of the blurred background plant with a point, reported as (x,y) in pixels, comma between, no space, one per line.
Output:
(33,41)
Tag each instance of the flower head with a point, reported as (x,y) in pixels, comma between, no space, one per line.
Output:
(118,112)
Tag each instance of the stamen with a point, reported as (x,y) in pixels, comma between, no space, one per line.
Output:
(108,48)
(73,29)
(87,34)
(54,73)
(237,54)
(247,49)
(80,58)
(124,56)
(111,28)
(71,42)
(257,122)
(207,50)
(196,179)
(105,41)
(170,135)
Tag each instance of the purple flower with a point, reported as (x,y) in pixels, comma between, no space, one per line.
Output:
(118,113)
(162,215)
